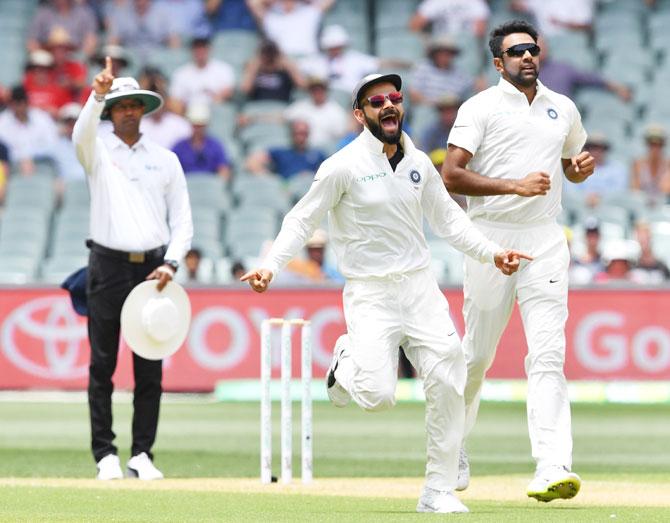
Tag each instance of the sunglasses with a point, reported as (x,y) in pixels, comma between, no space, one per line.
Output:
(376,101)
(519,50)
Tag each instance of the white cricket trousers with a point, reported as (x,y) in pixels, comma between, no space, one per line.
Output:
(408,310)
(541,290)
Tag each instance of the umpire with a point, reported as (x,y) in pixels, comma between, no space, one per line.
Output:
(140,226)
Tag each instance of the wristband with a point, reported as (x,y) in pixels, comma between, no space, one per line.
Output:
(99,97)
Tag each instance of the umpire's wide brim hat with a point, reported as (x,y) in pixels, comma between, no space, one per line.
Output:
(127,87)
(373,79)
(155,324)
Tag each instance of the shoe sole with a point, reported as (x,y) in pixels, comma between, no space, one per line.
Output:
(425,508)
(562,489)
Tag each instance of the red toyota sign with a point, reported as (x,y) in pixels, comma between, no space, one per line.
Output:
(611,335)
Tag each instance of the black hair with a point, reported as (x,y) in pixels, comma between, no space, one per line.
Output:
(500,32)
(18,94)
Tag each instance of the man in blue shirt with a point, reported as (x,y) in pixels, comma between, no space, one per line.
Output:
(201,153)
(288,161)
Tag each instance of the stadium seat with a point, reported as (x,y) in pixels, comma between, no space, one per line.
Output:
(265,191)
(208,191)
(17,270)
(298,186)
(56,269)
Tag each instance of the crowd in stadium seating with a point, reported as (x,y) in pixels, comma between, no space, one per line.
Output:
(259,90)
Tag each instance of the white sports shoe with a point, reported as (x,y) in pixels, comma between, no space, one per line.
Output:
(441,501)
(109,467)
(463,471)
(142,467)
(554,482)
(336,393)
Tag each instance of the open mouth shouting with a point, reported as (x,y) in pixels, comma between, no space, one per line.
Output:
(389,122)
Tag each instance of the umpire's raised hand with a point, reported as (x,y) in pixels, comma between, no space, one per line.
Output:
(102,82)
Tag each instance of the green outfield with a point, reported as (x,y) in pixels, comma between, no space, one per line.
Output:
(367,467)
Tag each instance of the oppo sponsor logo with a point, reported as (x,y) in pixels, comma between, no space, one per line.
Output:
(55,337)
(604,344)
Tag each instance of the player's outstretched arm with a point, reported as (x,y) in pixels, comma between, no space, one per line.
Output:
(508,261)
(259,279)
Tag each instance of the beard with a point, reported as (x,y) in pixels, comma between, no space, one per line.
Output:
(378,132)
(523,79)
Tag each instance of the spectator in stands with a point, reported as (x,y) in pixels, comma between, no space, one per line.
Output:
(314,267)
(28,132)
(651,172)
(610,176)
(648,270)
(4,170)
(67,72)
(65,156)
(270,75)
(119,56)
(558,16)
(355,128)
(288,161)
(201,153)
(202,79)
(43,92)
(565,78)
(163,126)
(188,15)
(436,135)
(619,256)
(590,262)
(224,15)
(342,65)
(451,17)
(237,270)
(438,76)
(76,18)
(292,24)
(192,264)
(327,119)
(141,26)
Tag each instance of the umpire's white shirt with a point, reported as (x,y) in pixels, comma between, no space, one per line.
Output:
(510,138)
(139,199)
(376,217)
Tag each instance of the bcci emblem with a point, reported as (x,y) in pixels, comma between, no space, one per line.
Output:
(415,176)
(552,114)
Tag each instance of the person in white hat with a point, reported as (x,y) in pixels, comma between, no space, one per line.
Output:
(140,226)
(377,191)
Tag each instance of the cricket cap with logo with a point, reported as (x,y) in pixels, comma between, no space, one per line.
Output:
(155,323)
(370,80)
(127,87)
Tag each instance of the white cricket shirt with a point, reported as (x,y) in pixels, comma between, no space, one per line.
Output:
(139,199)
(510,138)
(376,214)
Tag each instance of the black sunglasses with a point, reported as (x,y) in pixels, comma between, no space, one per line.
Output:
(520,50)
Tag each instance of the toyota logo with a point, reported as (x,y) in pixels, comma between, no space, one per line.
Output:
(52,322)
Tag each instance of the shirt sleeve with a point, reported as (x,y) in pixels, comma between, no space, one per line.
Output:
(449,221)
(576,135)
(84,134)
(329,184)
(468,129)
(179,213)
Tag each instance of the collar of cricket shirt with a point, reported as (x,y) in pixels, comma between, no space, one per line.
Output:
(507,87)
(373,144)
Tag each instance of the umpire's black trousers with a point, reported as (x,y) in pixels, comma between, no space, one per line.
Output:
(111,277)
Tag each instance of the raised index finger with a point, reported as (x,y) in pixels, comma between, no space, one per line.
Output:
(108,64)
(249,275)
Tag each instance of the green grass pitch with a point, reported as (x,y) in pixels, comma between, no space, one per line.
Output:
(368,467)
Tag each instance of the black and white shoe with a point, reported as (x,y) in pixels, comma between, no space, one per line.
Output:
(336,393)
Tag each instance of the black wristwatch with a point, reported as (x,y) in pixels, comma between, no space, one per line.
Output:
(172,263)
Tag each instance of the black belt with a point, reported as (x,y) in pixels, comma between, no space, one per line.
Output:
(132,257)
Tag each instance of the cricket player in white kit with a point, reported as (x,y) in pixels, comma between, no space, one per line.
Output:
(377,191)
(508,151)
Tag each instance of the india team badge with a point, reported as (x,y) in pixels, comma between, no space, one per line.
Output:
(415,177)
